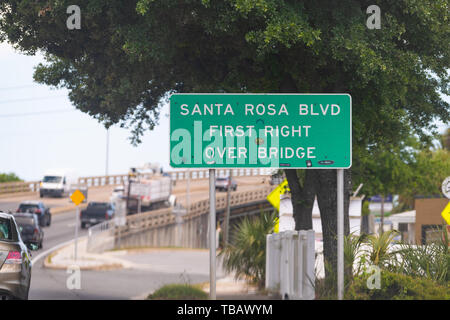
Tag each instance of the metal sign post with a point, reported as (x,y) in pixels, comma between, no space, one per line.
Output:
(212,234)
(76,197)
(76,232)
(340,233)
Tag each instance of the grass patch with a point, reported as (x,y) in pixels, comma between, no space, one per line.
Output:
(178,292)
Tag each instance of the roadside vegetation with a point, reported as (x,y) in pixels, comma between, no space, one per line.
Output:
(245,256)
(9,177)
(406,271)
(178,292)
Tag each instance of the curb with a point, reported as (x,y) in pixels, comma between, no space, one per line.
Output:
(104,266)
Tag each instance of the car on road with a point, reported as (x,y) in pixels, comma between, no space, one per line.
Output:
(276,179)
(223,183)
(58,182)
(15,261)
(39,209)
(118,192)
(96,212)
(30,230)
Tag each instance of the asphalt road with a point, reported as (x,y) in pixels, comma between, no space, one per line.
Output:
(114,284)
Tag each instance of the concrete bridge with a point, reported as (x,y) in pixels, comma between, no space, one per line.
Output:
(177,227)
(183,226)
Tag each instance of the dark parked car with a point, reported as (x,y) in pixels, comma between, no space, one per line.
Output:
(15,261)
(223,183)
(30,231)
(96,212)
(39,209)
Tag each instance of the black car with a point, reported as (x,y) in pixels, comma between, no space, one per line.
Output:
(39,209)
(30,230)
(96,212)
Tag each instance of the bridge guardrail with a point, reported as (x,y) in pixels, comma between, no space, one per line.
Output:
(165,217)
(118,179)
(197,174)
(19,187)
(101,237)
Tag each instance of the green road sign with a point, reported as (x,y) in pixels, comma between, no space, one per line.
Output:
(260,130)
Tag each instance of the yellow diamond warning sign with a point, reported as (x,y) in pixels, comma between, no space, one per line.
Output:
(446,213)
(77,197)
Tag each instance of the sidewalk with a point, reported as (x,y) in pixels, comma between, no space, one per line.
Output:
(183,262)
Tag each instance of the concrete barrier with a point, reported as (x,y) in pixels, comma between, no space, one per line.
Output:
(290,261)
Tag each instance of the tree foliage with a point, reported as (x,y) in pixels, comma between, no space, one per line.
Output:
(9,177)
(129,54)
(407,169)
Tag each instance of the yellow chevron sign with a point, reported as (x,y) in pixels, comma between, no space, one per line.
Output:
(274,196)
(446,213)
(274,199)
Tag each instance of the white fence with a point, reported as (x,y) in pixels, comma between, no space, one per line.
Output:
(290,261)
(101,237)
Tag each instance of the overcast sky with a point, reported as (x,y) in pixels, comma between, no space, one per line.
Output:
(41,130)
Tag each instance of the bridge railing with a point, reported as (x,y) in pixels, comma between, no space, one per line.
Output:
(181,175)
(100,238)
(16,187)
(119,179)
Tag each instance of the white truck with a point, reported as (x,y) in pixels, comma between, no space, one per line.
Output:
(58,182)
(149,194)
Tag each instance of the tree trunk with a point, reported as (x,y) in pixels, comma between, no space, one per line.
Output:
(382,216)
(326,190)
(302,198)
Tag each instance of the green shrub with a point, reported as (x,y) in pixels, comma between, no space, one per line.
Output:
(246,256)
(379,254)
(178,292)
(431,261)
(396,286)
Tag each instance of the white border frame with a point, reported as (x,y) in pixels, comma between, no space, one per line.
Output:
(271,94)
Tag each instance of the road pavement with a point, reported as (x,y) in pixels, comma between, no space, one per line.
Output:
(150,269)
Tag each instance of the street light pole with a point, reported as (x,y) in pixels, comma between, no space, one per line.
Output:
(107,152)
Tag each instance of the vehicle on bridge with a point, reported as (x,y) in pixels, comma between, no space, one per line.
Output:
(30,231)
(15,261)
(223,183)
(117,193)
(39,209)
(58,182)
(276,179)
(149,193)
(96,212)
